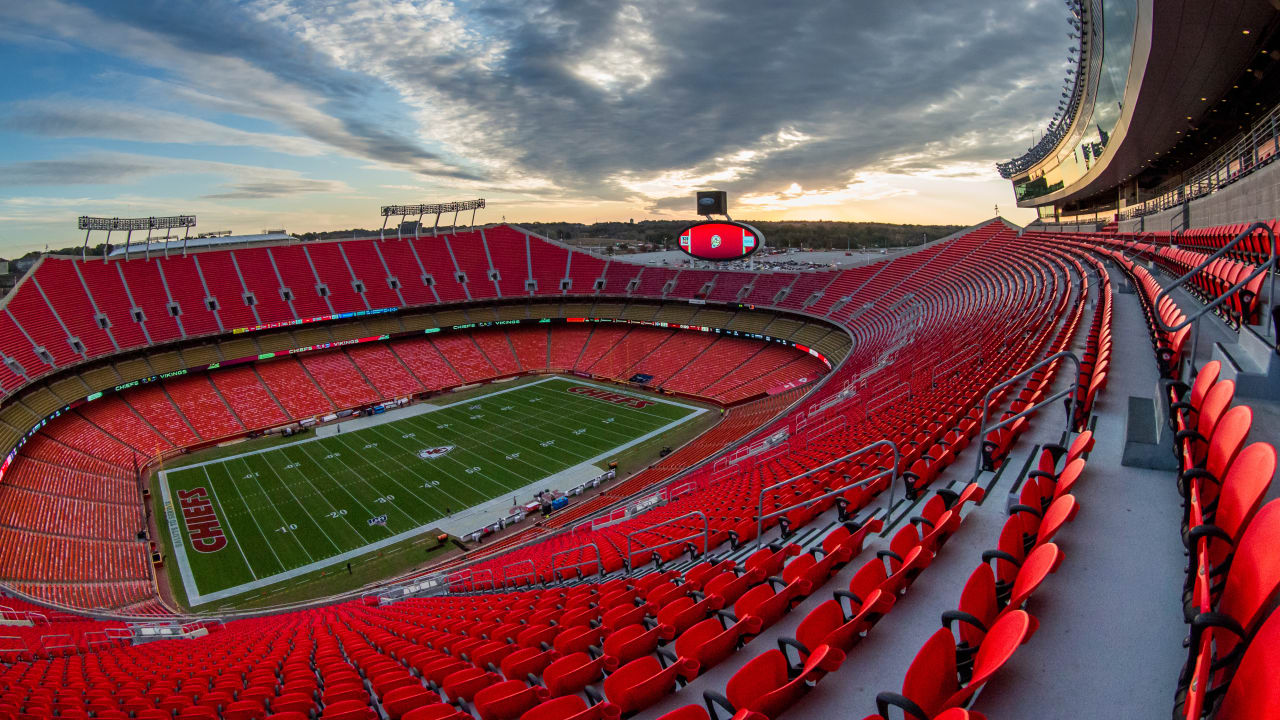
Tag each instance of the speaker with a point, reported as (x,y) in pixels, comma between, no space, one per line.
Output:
(713,202)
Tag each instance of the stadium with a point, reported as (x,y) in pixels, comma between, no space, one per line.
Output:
(461,470)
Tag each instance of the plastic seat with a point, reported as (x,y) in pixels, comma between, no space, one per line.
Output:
(644,681)
(464,684)
(575,671)
(768,684)
(931,684)
(830,624)
(710,641)
(401,700)
(684,612)
(572,707)
(630,642)
(348,710)
(1254,692)
(508,700)
(526,661)
(437,711)
(243,710)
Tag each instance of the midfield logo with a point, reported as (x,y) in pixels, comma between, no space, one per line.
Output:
(435,452)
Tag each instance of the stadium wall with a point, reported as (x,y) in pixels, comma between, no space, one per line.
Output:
(1254,197)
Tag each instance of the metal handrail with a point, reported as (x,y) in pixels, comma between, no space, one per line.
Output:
(1270,264)
(506,576)
(599,561)
(472,578)
(1069,393)
(706,535)
(897,459)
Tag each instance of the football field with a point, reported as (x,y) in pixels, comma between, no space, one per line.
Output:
(249,521)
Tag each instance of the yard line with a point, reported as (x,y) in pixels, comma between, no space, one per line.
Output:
(252,516)
(298,502)
(317,491)
(234,536)
(393,479)
(341,486)
(286,525)
(366,482)
(463,481)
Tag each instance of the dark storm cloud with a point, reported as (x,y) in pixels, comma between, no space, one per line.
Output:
(578,91)
(870,79)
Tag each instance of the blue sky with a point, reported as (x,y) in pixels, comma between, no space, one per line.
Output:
(310,115)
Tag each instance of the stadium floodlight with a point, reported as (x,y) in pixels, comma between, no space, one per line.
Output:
(403,211)
(128,225)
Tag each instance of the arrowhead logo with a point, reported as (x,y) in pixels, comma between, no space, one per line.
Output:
(435,452)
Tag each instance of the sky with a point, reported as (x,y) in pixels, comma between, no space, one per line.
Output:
(310,115)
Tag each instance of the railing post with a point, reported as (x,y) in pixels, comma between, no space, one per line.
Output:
(1069,392)
(706,535)
(893,472)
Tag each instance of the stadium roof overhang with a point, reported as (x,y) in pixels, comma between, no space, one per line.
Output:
(1187,55)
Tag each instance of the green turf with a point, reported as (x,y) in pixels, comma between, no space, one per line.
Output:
(289,508)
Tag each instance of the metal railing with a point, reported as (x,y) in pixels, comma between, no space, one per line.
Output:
(1069,393)
(893,471)
(1240,156)
(706,536)
(1190,318)
(506,576)
(598,562)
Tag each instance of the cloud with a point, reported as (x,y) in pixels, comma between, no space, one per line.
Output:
(247,181)
(241,69)
(616,102)
(67,118)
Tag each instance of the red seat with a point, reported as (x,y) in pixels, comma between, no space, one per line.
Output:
(575,671)
(932,685)
(1254,692)
(829,624)
(508,700)
(644,681)
(401,700)
(709,642)
(572,707)
(348,710)
(768,685)
(438,711)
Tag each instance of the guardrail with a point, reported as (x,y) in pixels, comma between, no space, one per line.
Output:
(506,576)
(897,458)
(1069,393)
(1190,318)
(706,536)
(599,561)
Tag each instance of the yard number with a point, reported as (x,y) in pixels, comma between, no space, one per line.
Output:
(337,513)
(370,446)
(547,443)
(406,436)
(442,426)
(507,407)
(476,417)
(286,528)
(332,455)
(514,456)
(385,499)
(471,470)
(579,431)
(608,420)
(292,465)
(250,476)
(431,484)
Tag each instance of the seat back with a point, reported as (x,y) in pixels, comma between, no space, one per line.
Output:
(1254,691)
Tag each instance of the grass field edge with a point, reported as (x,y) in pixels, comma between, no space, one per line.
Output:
(178,540)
